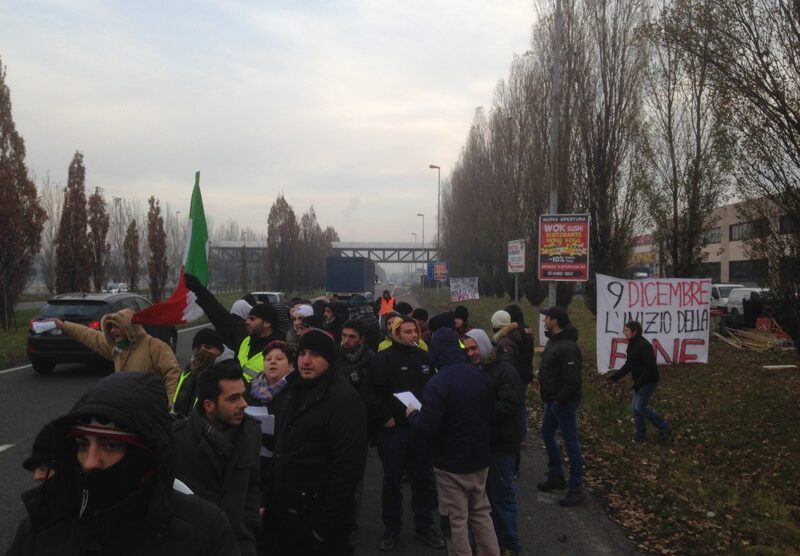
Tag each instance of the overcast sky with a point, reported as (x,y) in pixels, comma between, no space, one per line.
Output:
(338,104)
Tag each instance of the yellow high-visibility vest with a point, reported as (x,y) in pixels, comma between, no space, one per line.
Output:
(252,366)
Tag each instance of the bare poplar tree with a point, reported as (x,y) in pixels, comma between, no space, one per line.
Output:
(73,256)
(51,198)
(157,243)
(131,255)
(21,216)
(98,232)
(282,241)
(689,147)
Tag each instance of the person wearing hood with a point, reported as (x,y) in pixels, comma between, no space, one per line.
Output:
(320,454)
(389,338)
(128,346)
(217,451)
(402,367)
(40,462)
(456,418)
(300,312)
(207,350)
(112,492)
(560,389)
(507,430)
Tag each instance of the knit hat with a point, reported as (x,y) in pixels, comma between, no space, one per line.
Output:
(419,314)
(314,321)
(442,320)
(104,428)
(43,450)
(265,312)
(558,314)
(318,341)
(462,313)
(404,308)
(209,337)
(303,311)
(500,319)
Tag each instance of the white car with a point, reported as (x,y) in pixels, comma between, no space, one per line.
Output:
(269,297)
(719,295)
(738,295)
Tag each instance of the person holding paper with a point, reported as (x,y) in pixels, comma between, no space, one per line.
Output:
(403,367)
(216,451)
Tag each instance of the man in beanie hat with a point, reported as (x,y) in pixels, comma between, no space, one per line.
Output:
(421,316)
(403,367)
(319,456)
(560,388)
(247,336)
(299,313)
(461,315)
(112,492)
(207,349)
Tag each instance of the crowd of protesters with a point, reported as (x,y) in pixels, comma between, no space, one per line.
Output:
(259,445)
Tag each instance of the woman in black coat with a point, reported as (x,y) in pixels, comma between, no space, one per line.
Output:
(641,364)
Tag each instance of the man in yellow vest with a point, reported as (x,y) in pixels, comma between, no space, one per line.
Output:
(261,326)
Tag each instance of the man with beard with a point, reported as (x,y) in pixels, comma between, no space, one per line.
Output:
(319,457)
(217,451)
(112,491)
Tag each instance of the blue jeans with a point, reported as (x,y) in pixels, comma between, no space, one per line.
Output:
(641,411)
(402,449)
(502,492)
(564,417)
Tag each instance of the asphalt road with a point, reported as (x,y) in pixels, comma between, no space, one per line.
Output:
(29,400)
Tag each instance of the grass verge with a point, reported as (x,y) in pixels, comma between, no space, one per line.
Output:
(726,483)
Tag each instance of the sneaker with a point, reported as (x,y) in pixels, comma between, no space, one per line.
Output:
(389,540)
(573,498)
(431,538)
(553,482)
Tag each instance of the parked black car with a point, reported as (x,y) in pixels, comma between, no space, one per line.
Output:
(46,350)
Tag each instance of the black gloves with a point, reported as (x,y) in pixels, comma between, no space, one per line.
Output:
(192,283)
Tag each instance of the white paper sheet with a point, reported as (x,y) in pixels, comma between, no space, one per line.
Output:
(409,399)
(267,423)
(40,327)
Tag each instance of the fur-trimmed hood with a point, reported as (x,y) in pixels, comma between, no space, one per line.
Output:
(134,332)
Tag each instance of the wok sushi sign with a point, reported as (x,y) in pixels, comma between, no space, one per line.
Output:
(564,247)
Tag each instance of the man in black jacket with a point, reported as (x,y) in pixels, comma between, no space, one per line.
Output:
(112,491)
(217,450)
(560,390)
(402,367)
(641,363)
(507,431)
(319,457)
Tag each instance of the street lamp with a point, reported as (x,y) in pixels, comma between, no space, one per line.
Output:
(438,205)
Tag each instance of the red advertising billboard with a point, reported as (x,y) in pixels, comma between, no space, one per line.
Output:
(564,247)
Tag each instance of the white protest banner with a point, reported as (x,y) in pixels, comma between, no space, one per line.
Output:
(516,255)
(462,289)
(674,313)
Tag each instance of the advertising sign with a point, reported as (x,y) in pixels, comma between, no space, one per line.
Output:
(564,247)
(516,255)
(462,289)
(440,272)
(674,313)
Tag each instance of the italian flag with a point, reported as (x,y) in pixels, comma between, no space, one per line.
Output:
(182,307)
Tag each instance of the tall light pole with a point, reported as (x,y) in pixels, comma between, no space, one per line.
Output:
(555,123)
(438,206)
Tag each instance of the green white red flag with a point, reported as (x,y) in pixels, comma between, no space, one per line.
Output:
(182,307)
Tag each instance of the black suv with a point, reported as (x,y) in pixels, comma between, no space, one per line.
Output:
(46,350)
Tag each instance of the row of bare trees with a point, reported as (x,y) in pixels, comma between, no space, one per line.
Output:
(667,108)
